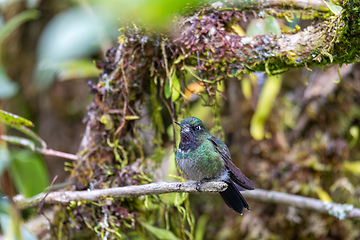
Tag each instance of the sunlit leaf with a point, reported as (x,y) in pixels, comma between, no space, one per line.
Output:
(131,117)
(75,69)
(28,172)
(20,124)
(353,167)
(159,232)
(323,195)
(266,100)
(238,29)
(167,92)
(246,87)
(107,121)
(176,88)
(11,119)
(335,9)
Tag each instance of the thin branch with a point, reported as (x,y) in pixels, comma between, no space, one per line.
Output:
(340,211)
(129,191)
(43,150)
(51,152)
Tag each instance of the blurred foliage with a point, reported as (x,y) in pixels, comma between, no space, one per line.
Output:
(8,87)
(29,173)
(4,156)
(280,138)
(268,25)
(9,226)
(266,100)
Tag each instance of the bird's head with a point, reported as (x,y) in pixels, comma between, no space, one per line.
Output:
(192,130)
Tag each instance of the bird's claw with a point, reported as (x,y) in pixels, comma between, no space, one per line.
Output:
(198,185)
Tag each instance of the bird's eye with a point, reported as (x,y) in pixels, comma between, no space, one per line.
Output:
(197,128)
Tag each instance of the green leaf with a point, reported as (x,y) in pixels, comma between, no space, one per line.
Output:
(335,9)
(176,88)
(19,141)
(167,92)
(11,119)
(20,124)
(29,173)
(75,69)
(159,232)
(8,87)
(266,100)
(17,21)
(172,88)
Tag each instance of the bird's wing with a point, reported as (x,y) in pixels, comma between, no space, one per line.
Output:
(235,173)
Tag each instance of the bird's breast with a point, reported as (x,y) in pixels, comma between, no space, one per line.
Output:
(201,163)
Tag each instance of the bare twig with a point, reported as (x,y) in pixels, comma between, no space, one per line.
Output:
(340,211)
(51,152)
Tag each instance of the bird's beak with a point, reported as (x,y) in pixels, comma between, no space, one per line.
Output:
(178,124)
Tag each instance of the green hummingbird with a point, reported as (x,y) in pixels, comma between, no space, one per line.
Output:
(202,157)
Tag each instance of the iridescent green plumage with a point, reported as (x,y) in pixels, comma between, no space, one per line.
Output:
(202,157)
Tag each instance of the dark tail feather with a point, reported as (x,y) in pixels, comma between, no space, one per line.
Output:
(234,199)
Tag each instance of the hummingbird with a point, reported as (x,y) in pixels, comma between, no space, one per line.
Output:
(202,157)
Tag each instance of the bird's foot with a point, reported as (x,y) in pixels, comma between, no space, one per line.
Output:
(198,185)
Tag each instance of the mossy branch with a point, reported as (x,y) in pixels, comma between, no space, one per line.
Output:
(340,211)
(209,42)
(288,5)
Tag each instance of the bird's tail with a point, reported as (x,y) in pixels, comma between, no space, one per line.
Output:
(233,198)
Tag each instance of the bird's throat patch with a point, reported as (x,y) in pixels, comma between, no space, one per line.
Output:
(185,147)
